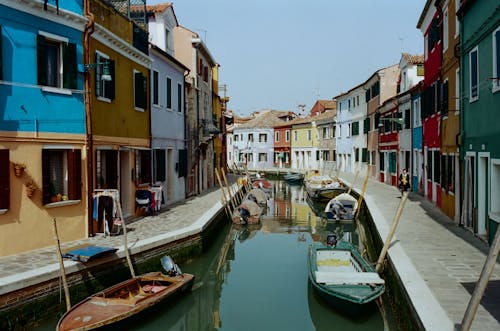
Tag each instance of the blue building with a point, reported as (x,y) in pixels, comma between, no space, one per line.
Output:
(416,140)
(42,123)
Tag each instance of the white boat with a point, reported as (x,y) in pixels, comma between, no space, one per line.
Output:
(342,207)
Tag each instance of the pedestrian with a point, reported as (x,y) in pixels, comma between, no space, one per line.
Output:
(404,181)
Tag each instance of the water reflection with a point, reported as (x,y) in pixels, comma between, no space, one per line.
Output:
(256,278)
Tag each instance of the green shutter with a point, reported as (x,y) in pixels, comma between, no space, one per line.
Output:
(69,65)
(4,179)
(97,77)
(145,94)
(160,165)
(74,174)
(41,60)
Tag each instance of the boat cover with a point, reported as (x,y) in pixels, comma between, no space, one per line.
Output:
(84,254)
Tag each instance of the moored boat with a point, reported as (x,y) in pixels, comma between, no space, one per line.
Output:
(126,299)
(293,178)
(342,207)
(343,278)
(323,187)
(251,207)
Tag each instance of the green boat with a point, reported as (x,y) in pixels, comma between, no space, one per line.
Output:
(343,278)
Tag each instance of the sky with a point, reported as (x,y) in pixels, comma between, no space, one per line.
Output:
(279,54)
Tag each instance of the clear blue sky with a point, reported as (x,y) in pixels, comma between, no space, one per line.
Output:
(277,54)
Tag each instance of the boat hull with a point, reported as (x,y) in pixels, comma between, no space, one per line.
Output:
(124,300)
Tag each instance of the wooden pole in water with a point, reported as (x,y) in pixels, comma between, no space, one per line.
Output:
(363,190)
(353,182)
(224,199)
(125,240)
(478,293)
(395,222)
(61,265)
(231,196)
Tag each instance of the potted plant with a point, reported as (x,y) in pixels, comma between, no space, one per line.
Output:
(19,169)
(31,187)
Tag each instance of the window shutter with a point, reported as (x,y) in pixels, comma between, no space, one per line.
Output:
(145,96)
(4,179)
(140,90)
(69,65)
(97,76)
(45,176)
(74,174)
(41,60)
(111,84)
(182,162)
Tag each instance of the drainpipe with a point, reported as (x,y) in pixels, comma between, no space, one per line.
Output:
(89,29)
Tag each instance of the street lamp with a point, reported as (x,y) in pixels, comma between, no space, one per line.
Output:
(105,75)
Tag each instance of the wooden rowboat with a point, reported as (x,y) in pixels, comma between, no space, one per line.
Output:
(342,207)
(343,278)
(323,187)
(124,300)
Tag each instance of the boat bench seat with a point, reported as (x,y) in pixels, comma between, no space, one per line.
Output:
(327,277)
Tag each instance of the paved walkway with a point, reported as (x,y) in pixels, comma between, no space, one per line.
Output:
(436,260)
(178,221)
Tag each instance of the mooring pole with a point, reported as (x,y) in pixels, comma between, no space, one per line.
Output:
(61,265)
(395,222)
(478,293)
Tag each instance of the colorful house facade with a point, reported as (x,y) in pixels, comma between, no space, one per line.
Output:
(42,125)
(480,133)
(305,154)
(167,105)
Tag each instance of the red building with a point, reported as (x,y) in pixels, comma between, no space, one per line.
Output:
(433,96)
(283,145)
(388,141)
(320,106)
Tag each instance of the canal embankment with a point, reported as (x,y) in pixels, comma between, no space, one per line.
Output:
(30,283)
(435,262)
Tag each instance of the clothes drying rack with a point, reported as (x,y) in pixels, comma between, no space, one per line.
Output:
(116,221)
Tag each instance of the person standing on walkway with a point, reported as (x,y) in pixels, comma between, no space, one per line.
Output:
(404,181)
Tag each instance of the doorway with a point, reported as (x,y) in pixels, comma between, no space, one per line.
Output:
(482,193)
(125,181)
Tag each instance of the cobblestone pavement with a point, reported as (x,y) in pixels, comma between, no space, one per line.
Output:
(447,257)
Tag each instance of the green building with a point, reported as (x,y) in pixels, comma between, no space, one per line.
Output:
(479,139)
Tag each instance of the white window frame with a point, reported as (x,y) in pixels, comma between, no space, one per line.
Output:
(103,92)
(472,99)
(277,136)
(167,78)
(155,86)
(496,79)
(287,135)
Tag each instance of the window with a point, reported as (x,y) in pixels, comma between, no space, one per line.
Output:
(348,134)
(364,155)
(473,75)
(250,137)
(445,29)
(250,157)
(433,35)
(366,125)
(61,175)
(169,92)
(325,133)
(295,135)
(179,98)
(104,87)
(382,161)
(407,119)
(182,163)
(437,166)
(236,137)
(309,135)
(155,87)
(356,154)
(375,89)
(287,135)
(355,128)
(159,170)
(420,70)
(417,120)
(496,60)
(56,61)
(262,137)
(277,136)
(457,22)
(4,179)
(140,91)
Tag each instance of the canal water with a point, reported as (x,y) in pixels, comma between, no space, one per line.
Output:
(256,277)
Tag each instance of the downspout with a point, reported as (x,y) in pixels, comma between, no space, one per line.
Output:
(89,29)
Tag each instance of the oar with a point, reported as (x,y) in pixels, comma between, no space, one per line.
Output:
(61,265)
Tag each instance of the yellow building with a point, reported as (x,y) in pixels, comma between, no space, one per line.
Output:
(304,147)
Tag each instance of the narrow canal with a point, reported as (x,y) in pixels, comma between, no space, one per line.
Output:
(256,277)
